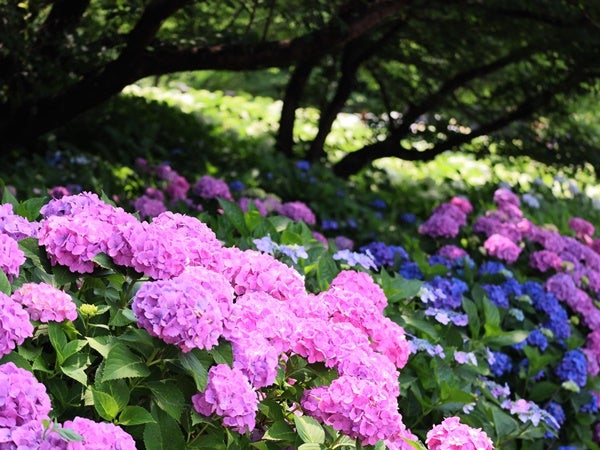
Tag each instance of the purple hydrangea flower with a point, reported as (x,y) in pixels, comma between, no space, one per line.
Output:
(45,303)
(500,363)
(11,256)
(14,323)
(22,397)
(187,310)
(98,435)
(15,226)
(298,211)
(230,395)
(149,207)
(210,187)
(355,258)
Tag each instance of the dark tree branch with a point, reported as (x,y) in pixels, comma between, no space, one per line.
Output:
(391,147)
(64,16)
(284,141)
(137,61)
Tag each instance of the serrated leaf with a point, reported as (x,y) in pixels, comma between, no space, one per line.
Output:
(4,283)
(280,431)
(164,434)
(7,196)
(63,276)
(68,435)
(135,415)
(327,270)
(234,214)
(309,429)
(105,261)
(30,208)
(106,406)
(58,339)
(73,347)
(311,446)
(168,397)
(102,344)
(123,363)
(223,353)
(195,367)
(74,367)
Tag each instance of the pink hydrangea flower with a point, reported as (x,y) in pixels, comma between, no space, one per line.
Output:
(98,435)
(149,207)
(298,211)
(452,252)
(14,323)
(356,407)
(363,284)
(22,397)
(11,256)
(15,226)
(544,260)
(73,204)
(45,303)
(230,395)
(504,197)
(256,358)
(244,203)
(445,221)
(178,188)
(32,435)
(251,270)
(210,187)
(453,435)
(462,203)
(187,310)
(583,229)
(502,248)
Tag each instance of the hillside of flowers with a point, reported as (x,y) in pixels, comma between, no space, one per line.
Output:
(202,313)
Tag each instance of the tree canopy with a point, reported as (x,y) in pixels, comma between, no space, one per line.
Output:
(428,76)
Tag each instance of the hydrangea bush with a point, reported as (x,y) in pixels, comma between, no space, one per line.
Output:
(203,315)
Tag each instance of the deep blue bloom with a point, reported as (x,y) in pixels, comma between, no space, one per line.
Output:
(591,407)
(385,255)
(492,268)
(351,223)
(236,186)
(557,412)
(537,339)
(438,259)
(501,364)
(512,287)
(573,368)
(408,218)
(379,203)
(411,271)
(303,165)
(452,290)
(329,225)
(496,295)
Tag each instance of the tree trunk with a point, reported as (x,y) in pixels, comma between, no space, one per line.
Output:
(284,142)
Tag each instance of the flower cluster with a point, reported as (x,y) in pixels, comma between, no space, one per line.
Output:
(45,303)
(451,434)
(230,395)
(14,323)
(447,219)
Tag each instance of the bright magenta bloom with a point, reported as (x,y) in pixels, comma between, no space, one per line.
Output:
(453,435)
(502,248)
(45,303)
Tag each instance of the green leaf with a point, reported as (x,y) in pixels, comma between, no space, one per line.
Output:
(505,338)
(503,423)
(73,347)
(68,435)
(135,415)
(280,431)
(74,367)
(30,208)
(309,429)
(327,270)
(193,363)
(63,276)
(123,363)
(235,215)
(168,397)
(491,314)
(417,445)
(474,323)
(58,339)
(106,406)
(102,344)
(105,261)
(311,446)
(7,196)
(4,283)
(163,434)
(222,353)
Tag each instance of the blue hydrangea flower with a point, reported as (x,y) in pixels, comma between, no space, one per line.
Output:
(383,254)
(329,225)
(500,363)
(492,268)
(496,295)
(303,165)
(591,407)
(379,203)
(537,339)
(452,290)
(408,218)
(236,186)
(573,368)
(411,271)
(437,259)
